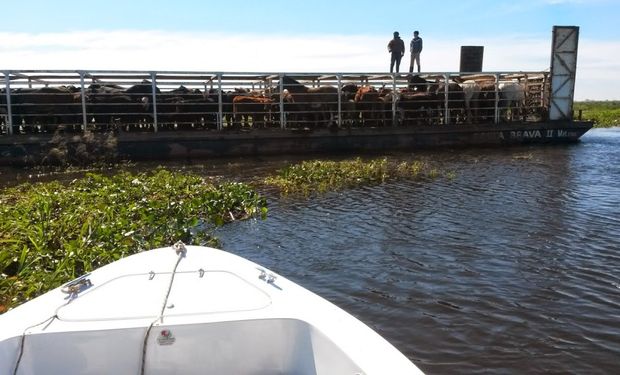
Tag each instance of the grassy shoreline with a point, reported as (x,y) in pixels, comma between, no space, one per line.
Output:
(604,114)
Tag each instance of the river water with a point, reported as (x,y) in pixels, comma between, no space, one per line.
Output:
(512,266)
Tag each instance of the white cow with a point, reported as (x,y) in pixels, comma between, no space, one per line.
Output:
(479,96)
(512,99)
(471,90)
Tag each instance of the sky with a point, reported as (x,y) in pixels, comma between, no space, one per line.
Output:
(310,36)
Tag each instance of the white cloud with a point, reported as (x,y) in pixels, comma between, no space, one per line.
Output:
(211,52)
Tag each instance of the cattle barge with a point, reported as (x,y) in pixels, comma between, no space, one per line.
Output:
(47,115)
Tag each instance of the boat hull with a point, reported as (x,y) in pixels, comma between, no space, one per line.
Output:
(202,311)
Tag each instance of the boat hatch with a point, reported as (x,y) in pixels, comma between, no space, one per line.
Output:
(140,296)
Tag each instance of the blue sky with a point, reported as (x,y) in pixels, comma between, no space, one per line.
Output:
(440,18)
(318,35)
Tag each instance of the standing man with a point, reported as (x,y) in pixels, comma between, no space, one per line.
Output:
(416,48)
(396,47)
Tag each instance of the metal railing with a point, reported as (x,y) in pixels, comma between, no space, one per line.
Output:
(47,101)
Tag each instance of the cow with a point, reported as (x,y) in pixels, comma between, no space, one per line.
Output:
(512,100)
(196,113)
(42,109)
(109,108)
(456,101)
(137,91)
(313,106)
(227,103)
(419,103)
(416,83)
(184,108)
(479,96)
(369,105)
(418,107)
(184,93)
(486,101)
(256,107)
(348,112)
(388,99)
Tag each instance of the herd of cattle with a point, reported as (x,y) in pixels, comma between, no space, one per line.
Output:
(109,106)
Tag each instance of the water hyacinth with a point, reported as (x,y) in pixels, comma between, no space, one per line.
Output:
(319,176)
(603,113)
(51,233)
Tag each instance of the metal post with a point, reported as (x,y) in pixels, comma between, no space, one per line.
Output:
(9,109)
(84,117)
(154,98)
(522,108)
(543,97)
(496,98)
(220,105)
(394,120)
(339,100)
(282,115)
(446,115)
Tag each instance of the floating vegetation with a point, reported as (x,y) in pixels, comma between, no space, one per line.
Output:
(51,233)
(319,176)
(602,113)
(527,156)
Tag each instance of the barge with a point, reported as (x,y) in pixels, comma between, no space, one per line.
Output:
(46,116)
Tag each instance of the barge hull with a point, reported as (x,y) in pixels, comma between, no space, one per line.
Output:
(39,148)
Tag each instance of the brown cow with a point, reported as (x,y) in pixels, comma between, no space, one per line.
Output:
(316,105)
(388,98)
(256,107)
(369,105)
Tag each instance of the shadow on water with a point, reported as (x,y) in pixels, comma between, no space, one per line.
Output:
(511,267)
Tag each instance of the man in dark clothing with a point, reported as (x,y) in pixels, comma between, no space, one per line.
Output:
(396,47)
(416,48)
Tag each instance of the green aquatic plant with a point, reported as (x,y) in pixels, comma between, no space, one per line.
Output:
(51,232)
(319,176)
(602,113)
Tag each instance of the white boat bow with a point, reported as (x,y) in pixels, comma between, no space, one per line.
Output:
(196,310)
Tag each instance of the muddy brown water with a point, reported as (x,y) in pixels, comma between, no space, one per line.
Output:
(512,266)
